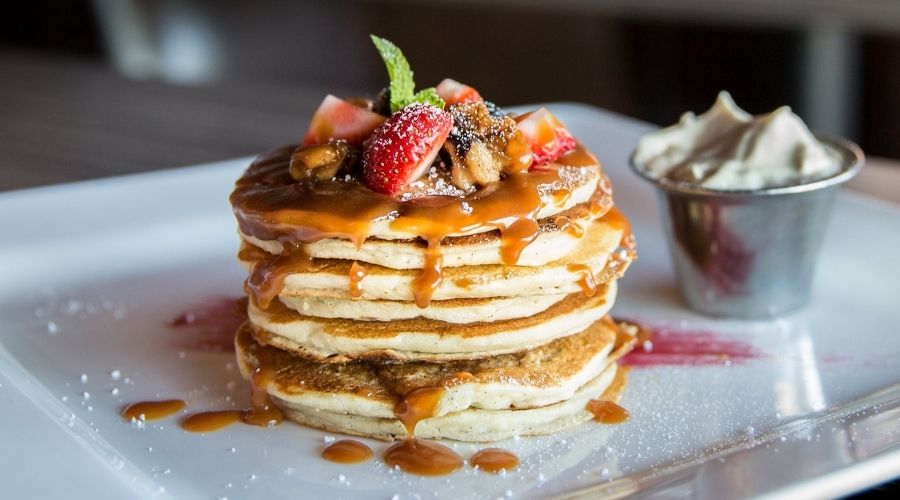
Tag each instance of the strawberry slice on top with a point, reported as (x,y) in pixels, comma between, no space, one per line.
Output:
(546,135)
(453,92)
(340,119)
(401,150)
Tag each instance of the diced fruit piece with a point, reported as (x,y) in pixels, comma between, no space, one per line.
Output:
(341,120)
(453,92)
(321,161)
(547,136)
(402,149)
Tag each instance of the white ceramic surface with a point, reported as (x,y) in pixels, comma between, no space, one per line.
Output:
(93,272)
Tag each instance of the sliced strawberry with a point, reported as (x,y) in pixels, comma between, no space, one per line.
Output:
(547,136)
(453,92)
(340,119)
(402,149)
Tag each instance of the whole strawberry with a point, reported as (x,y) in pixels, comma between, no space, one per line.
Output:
(400,150)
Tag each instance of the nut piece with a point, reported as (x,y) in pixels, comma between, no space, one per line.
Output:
(481,166)
(319,161)
(483,147)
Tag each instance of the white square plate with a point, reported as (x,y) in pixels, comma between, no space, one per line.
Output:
(93,273)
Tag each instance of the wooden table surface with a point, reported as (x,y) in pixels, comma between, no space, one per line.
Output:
(67,119)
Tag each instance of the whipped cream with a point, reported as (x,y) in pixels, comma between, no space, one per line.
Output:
(727,148)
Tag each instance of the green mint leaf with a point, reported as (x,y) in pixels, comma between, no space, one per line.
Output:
(429,96)
(402,85)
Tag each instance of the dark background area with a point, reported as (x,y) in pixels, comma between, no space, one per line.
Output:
(649,64)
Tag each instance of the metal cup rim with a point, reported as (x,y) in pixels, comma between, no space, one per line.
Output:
(854,159)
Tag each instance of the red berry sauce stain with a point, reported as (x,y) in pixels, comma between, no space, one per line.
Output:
(663,345)
(209,324)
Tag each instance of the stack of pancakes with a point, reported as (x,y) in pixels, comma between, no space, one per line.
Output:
(495,303)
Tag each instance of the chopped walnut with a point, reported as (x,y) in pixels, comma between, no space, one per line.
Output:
(482,147)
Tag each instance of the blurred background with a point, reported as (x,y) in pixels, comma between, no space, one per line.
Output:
(94,88)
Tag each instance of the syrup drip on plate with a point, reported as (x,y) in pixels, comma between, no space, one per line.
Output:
(262,411)
(607,412)
(152,410)
(347,451)
(209,421)
(424,458)
(494,460)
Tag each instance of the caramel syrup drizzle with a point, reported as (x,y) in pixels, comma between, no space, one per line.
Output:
(347,451)
(465,283)
(615,218)
(494,460)
(415,455)
(607,412)
(587,282)
(266,280)
(152,410)
(560,197)
(209,421)
(262,411)
(570,226)
(424,458)
(270,205)
(418,405)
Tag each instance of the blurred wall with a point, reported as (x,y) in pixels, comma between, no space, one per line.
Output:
(650,67)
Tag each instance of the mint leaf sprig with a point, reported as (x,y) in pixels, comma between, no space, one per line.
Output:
(402,85)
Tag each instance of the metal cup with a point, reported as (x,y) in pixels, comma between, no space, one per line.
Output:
(749,253)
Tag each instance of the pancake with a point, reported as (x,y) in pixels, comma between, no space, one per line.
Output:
(458,311)
(270,205)
(539,391)
(551,243)
(604,251)
(472,425)
(341,340)
(482,310)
